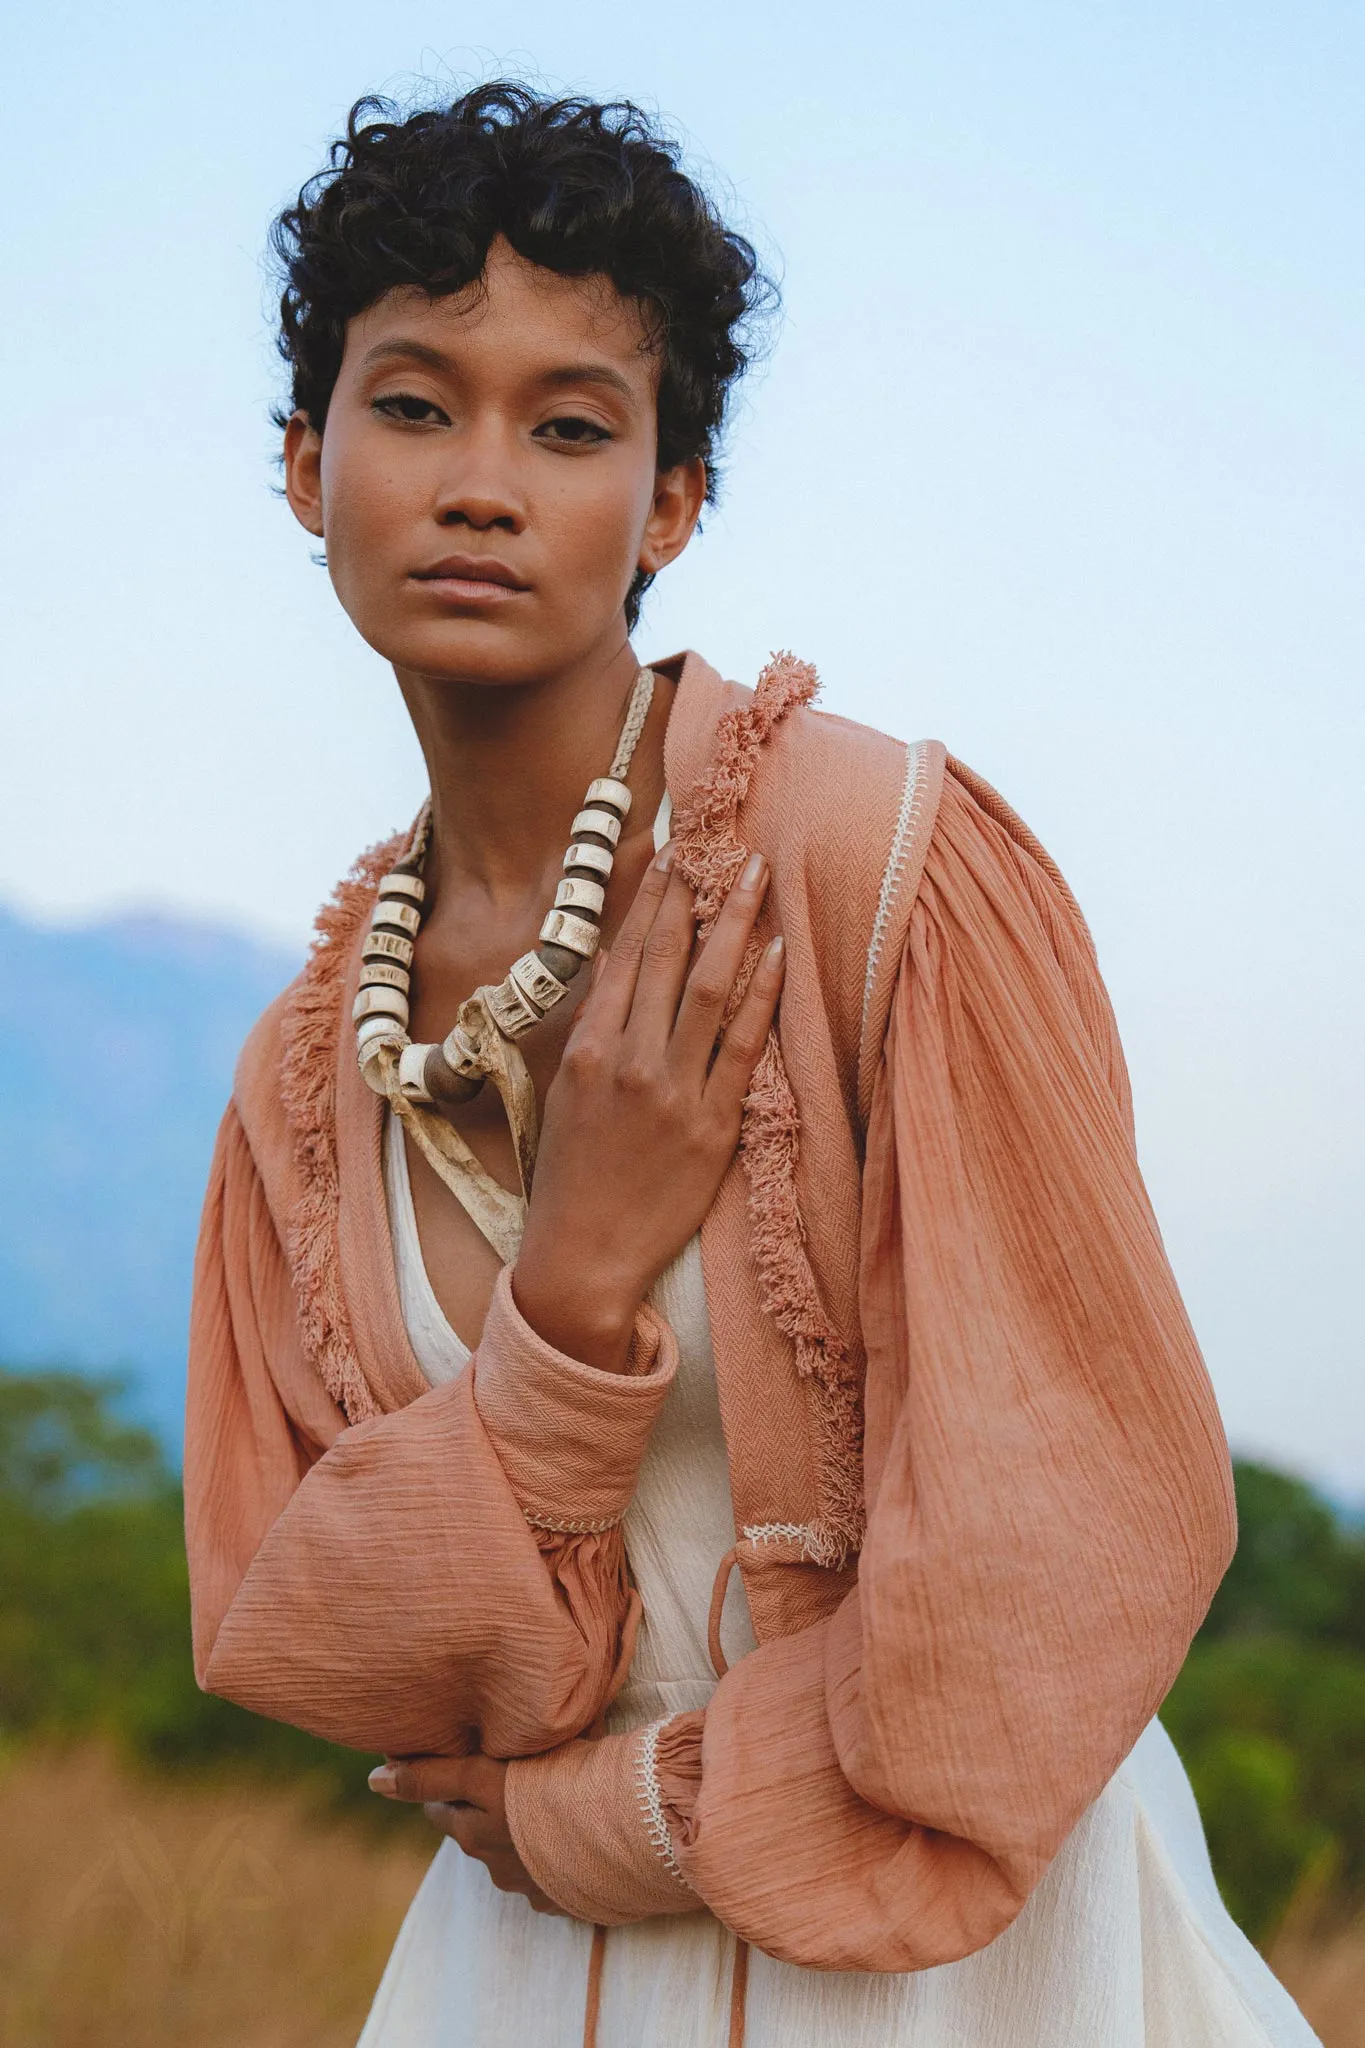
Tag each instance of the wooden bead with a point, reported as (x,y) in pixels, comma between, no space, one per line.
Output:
(541,988)
(443,1083)
(605,824)
(412,1073)
(403,917)
(411,886)
(560,962)
(564,928)
(384,974)
(595,859)
(607,790)
(388,946)
(380,1002)
(576,892)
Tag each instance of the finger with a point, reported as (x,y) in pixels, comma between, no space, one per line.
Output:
(420,1778)
(747,1032)
(663,970)
(713,976)
(608,1004)
(471,1827)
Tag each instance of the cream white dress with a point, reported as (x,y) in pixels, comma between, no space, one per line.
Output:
(1125,1944)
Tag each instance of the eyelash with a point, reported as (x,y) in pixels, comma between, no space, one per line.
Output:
(405,409)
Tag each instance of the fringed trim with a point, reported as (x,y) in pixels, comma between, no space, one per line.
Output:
(709,855)
(311,1027)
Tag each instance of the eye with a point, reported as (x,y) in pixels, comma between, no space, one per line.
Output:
(571,431)
(409,409)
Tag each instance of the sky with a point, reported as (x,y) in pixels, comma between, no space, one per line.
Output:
(1058,458)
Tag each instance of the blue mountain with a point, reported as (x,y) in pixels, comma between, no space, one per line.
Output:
(117,1044)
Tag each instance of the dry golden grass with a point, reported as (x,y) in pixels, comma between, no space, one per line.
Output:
(142,1913)
(1323,1967)
(138,1912)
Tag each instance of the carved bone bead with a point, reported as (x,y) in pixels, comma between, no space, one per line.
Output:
(605,824)
(607,790)
(384,974)
(381,1002)
(411,886)
(412,1075)
(564,928)
(403,917)
(509,1009)
(541,988)
(387,946)
(595,859)
(575,892)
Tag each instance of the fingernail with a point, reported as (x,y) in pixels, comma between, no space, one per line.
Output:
(663,859)
(383,1779)
(754,870)
(777,947)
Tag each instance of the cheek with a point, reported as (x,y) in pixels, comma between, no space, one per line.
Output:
(598,516)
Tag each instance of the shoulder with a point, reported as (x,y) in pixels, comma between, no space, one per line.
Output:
(284,1087)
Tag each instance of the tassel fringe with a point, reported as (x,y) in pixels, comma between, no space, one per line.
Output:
(308,1095)
(709,855)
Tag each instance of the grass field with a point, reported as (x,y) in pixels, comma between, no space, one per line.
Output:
(177,1914)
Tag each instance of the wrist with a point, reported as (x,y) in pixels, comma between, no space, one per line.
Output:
(587,1321)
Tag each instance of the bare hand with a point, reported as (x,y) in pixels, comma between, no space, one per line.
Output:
(640,1122)
(465,1797)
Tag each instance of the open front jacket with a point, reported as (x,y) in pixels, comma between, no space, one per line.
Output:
(981,1492)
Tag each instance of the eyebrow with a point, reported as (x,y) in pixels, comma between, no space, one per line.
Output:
(566,374)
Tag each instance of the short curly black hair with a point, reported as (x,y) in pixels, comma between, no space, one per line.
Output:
(582,188)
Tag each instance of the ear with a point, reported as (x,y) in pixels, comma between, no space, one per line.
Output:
(303,472)
(679,495)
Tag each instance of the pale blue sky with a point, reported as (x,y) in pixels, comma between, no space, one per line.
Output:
(1059,458)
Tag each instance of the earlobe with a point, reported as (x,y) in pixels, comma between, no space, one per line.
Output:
(303,472)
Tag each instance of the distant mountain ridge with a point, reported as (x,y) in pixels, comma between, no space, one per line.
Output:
(117,1045)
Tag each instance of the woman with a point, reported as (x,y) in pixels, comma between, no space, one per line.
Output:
(532,1301)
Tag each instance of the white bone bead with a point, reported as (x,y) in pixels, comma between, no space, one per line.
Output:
(412,1063)
(380,1002)
(562,928)
(384,974)
(605,824)
(575,892)
(371,1030)
(594,858)
(607,790)
(405,916)
(411,886)
(509,1009)
(388,946)
(541,989)
(460,1056)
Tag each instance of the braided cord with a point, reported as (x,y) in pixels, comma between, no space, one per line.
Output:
(637,711)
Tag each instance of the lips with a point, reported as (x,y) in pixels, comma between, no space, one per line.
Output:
(471,574)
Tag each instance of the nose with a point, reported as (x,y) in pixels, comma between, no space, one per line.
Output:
(480,487)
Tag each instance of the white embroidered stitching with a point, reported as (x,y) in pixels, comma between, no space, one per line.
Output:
(652,1801)
(891,874)
(778,1532)
(570,1528)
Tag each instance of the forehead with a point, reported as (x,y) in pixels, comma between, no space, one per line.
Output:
(518,319)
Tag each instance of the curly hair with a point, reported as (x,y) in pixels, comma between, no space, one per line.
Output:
(582,188)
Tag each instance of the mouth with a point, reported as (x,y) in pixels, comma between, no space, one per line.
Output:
(471,579)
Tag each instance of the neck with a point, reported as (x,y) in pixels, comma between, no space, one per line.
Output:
(509,765)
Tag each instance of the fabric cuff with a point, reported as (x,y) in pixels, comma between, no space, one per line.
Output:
(589,1825)
(570,1437)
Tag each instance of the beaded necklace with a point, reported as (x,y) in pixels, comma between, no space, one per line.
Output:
(416,1080)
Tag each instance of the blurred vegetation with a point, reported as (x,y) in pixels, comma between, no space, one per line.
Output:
(94,1600)
(1268,1713)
